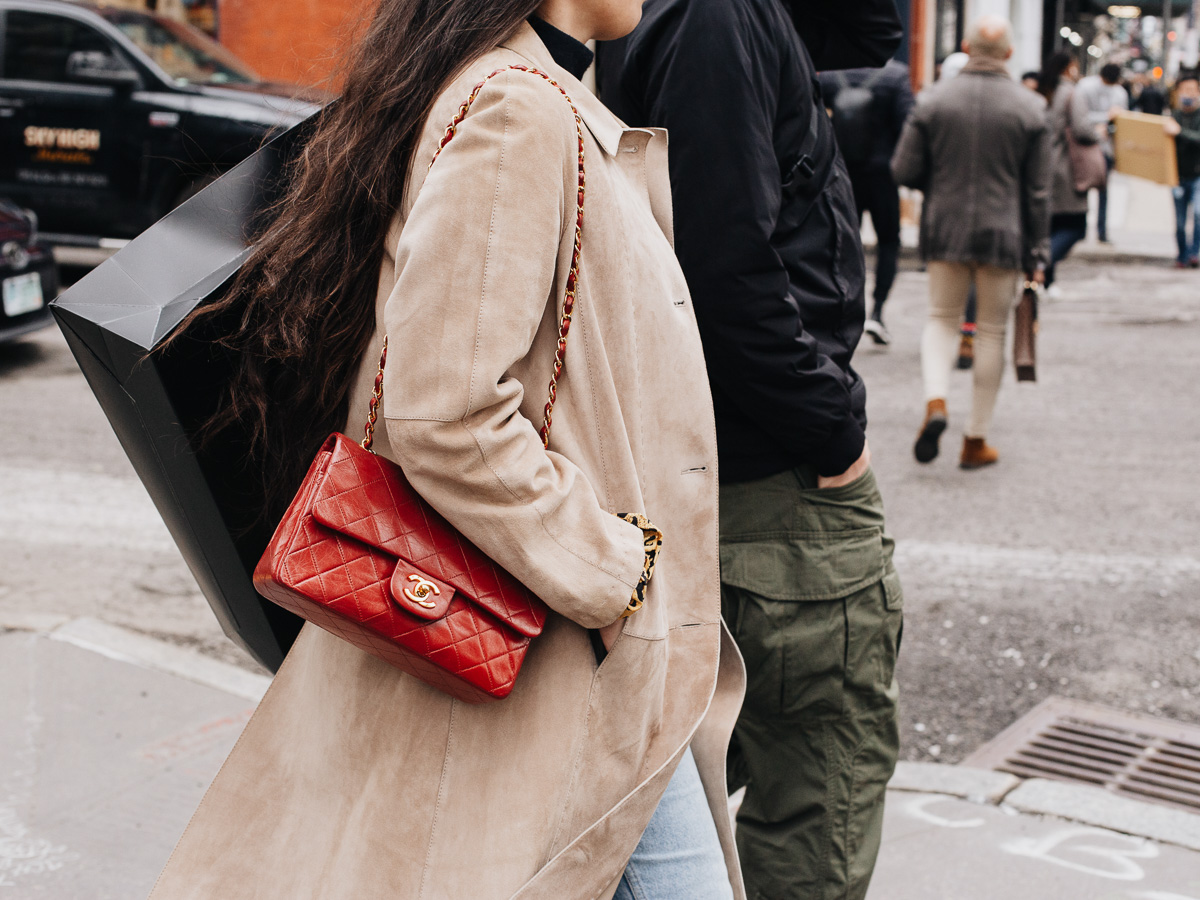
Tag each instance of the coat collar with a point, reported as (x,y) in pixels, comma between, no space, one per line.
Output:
(604,126)
(987,66)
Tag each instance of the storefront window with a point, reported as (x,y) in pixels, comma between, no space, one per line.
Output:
(202,14)
(948,29)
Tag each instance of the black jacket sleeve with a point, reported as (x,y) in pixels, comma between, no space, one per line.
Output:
(848,34)
(718,99)
(902,104)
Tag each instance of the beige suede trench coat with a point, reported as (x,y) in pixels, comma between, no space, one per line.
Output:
(357,782)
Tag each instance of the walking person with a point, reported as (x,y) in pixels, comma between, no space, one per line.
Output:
(1150,99)
(1185,126)
(1068,207)
(602,774)
(978,147)
(869,107)
(966,349)
(767,232)
(1103,97)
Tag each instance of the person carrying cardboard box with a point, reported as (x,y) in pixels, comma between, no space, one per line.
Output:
(1185,126)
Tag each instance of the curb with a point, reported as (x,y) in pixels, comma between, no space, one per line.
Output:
(1082,803)
(1096,806)
(1095,253)
(976,785)
(1086,804)
(137,649)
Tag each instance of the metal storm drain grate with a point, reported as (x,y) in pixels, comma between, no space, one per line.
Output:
(1068,740)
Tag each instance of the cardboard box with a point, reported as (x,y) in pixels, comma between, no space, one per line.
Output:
(1143,148)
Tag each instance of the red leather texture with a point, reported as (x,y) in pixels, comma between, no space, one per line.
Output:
(354,524)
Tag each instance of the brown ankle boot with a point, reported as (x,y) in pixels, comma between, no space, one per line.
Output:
(966,352)
(977,453)
(926,448)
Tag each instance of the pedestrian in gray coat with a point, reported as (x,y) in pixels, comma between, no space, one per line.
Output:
(977,146)
(1104,97)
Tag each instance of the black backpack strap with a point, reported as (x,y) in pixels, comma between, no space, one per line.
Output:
(807,159)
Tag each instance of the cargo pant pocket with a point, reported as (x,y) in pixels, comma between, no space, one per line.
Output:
(874,621)
(795,653)
(808,659)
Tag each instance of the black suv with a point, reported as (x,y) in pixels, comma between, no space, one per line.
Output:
(109,118)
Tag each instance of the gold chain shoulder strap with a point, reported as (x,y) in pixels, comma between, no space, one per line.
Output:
(564,324)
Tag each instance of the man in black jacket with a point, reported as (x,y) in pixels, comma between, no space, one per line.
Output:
(867,134)
(766,229)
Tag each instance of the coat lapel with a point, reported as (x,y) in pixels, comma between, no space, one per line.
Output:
(603,125)
(609,132)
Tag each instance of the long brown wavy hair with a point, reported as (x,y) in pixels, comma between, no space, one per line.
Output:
(299,313)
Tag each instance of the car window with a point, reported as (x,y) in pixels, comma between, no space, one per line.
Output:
(185,54)
(36,45)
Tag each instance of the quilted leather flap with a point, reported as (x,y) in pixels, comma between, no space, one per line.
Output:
(367,497)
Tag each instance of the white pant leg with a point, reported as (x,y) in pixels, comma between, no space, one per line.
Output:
(949,283)
(997,292)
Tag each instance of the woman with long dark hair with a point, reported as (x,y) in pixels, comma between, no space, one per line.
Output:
(602,774)
(1068,207)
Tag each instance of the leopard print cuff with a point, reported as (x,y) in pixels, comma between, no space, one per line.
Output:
(653,543)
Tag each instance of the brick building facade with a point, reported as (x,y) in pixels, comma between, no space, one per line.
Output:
(297,41)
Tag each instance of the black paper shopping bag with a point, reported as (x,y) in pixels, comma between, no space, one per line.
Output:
(210,499)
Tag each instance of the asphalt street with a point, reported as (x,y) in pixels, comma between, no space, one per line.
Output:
(1071,568)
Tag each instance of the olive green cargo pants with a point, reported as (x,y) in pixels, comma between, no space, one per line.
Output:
(812,599)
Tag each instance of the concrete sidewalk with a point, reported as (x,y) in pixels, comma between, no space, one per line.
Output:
(109,741)
(111,738)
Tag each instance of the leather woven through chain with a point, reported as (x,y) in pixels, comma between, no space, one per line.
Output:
(564,323)
(356,522)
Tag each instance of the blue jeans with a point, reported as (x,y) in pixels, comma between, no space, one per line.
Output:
(1066,230)
(1102,207)
(1187,194)
(679,854)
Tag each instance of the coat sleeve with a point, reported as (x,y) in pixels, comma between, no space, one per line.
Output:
(1035,200)
(1186,135)
(848,34)
(1095,101)
(478,265)
(718,101)
(1078,121)
(902,105)
(910,162)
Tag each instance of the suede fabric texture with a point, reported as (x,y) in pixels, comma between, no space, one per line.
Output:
(353,780)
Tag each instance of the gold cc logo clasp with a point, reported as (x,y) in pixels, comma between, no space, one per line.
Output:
(419,593)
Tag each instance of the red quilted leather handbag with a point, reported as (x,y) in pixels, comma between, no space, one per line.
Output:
(363,556)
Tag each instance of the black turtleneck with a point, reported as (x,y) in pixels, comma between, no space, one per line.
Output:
(567,52)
